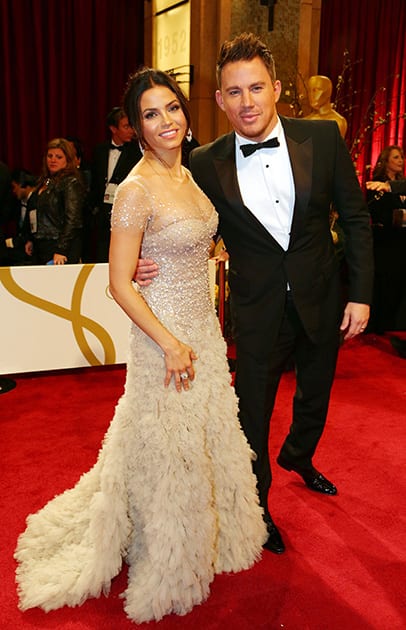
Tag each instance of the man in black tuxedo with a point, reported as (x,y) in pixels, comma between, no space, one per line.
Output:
(5,206)
(5,193)
(273,201)
(111,163)
(19,245)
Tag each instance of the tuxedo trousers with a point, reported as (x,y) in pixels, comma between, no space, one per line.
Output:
(257,381)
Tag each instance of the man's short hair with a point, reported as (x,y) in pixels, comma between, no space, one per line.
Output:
(244,47)
(114,117)
(23,178)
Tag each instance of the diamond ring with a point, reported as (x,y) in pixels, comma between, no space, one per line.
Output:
(184,376)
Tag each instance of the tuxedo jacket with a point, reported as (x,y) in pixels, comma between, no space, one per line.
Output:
(259,267)
(129,156)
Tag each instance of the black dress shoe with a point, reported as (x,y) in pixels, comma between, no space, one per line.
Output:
(312,477)
(318,482)
(274,542)
(399,345)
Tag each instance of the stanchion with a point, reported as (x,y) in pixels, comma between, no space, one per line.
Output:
(222,294)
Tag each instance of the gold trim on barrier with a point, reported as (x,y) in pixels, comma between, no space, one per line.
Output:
(79,321)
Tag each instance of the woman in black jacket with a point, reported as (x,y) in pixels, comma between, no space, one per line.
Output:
(387,216)
(56,207)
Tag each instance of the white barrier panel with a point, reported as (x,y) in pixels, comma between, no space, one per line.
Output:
(62,316)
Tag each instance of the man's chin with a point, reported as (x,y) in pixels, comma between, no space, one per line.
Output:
(253,134)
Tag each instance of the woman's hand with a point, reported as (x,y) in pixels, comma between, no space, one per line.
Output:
(59,259)
(179,365)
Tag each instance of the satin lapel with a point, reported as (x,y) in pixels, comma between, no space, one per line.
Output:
(105,158)
(300,149)
(120,165)
(224,163)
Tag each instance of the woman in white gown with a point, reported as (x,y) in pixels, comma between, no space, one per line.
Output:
(172,491)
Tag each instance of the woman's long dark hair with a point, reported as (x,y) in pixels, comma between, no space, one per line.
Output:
(140,82)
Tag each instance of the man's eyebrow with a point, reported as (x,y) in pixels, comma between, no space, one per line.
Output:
(251,85)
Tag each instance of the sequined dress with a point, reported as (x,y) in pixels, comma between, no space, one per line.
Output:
(172,492)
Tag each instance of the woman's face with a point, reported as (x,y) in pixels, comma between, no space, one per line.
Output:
(395,164)
(164,124)
(56,160)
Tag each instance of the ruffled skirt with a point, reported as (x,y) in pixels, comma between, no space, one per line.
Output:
(172,493)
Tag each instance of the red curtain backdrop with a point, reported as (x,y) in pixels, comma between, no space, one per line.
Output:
(64,65)
(372,92)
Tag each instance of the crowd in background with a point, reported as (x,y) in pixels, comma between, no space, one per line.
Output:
(63,214)
(388,216)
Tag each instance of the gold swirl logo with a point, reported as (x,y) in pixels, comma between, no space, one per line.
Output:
(74,315)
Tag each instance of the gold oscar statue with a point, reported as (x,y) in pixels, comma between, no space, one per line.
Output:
(319,93)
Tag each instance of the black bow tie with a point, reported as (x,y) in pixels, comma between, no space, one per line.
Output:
(249,149)
(113,146)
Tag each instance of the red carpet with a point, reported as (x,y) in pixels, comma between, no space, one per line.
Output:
(344,568)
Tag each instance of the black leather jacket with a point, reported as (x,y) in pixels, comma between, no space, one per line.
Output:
(60,211)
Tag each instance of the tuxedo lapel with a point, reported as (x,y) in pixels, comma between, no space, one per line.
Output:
(129,156)
(119,168)
(104,158)
(224,163)
(300,149)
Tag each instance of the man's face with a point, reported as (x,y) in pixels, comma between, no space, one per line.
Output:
(248,97)
(123,132)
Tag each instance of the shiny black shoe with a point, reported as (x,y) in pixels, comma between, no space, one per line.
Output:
(312,477)
(274,542)
(399,345)
(318,482)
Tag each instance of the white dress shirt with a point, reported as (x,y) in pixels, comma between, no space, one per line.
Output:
(266,184)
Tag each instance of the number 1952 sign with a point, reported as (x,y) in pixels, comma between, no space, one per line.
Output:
(172,42)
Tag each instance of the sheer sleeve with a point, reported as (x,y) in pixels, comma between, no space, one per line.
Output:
(132,207)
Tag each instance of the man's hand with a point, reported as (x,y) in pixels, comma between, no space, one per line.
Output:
(355,319)
(222,256)
(146,271)
(379,186)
